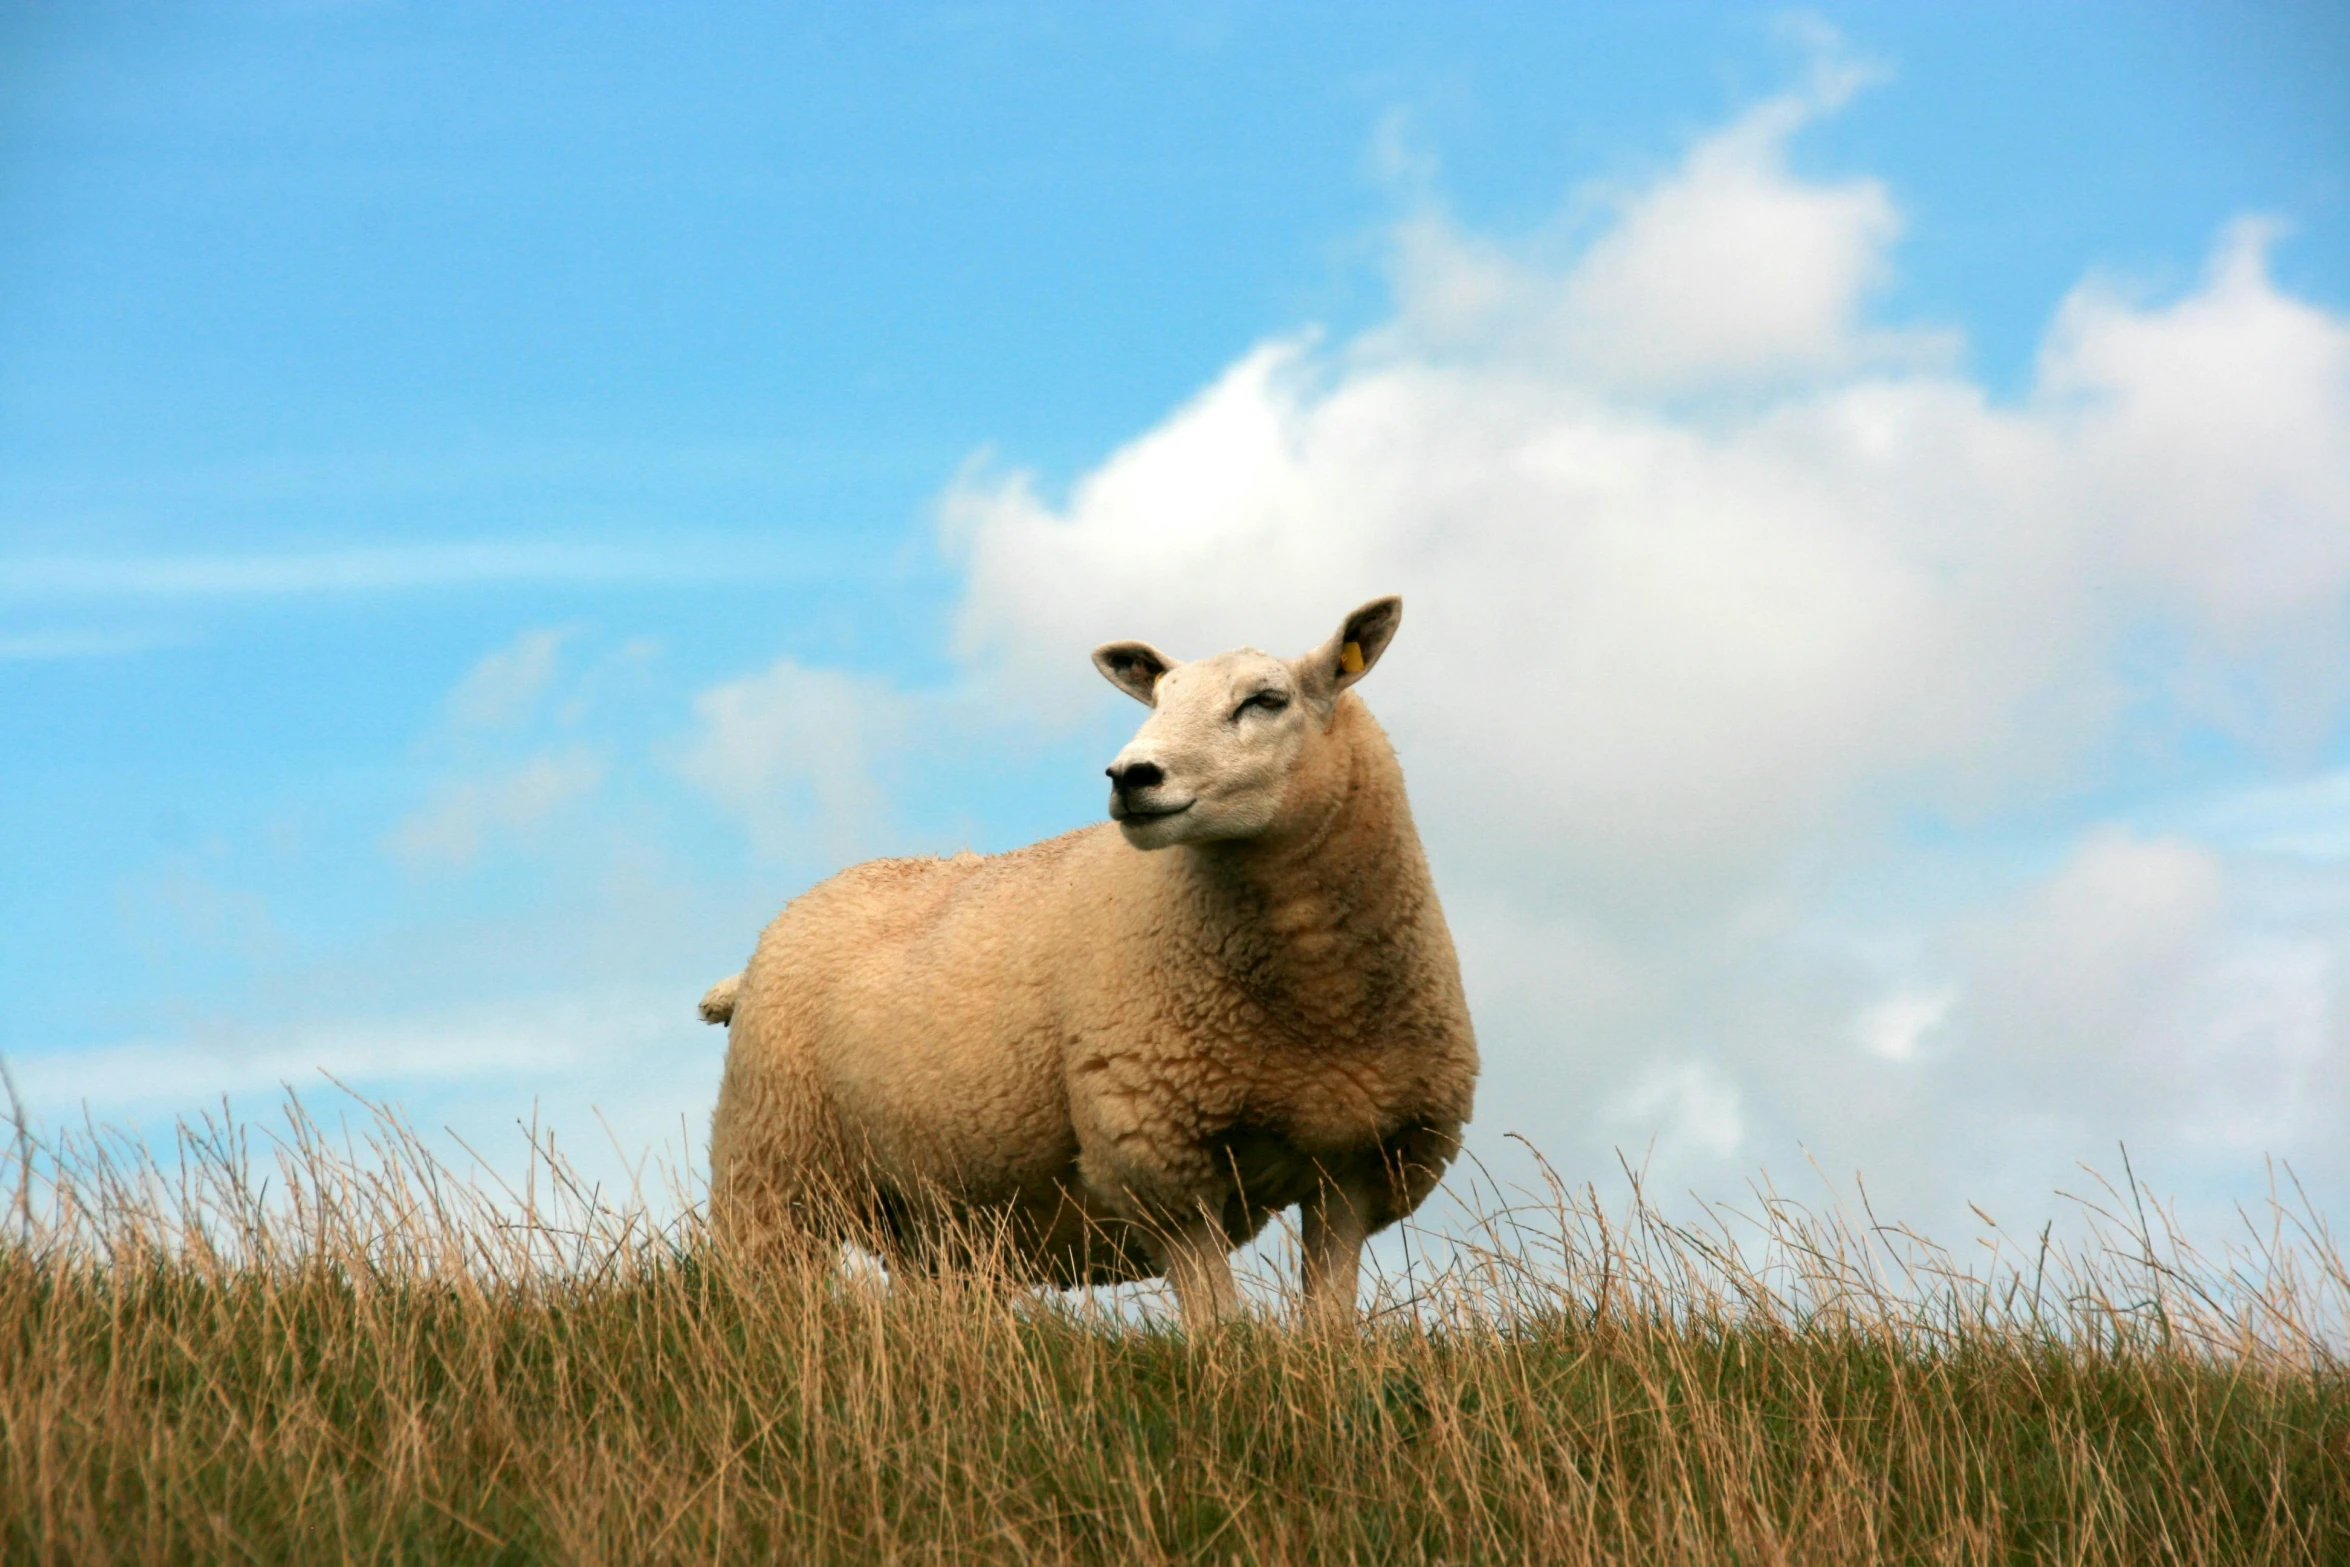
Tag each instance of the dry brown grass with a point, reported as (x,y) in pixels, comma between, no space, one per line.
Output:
(287,1349)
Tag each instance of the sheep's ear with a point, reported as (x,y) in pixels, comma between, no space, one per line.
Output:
(1134,668)
(1348,656)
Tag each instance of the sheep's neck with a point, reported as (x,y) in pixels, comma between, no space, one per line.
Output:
(1316,926)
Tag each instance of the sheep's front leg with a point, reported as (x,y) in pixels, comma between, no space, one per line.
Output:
(1199,1265)
(1334,1232)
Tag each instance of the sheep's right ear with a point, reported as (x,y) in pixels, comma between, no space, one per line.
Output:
(1134,668)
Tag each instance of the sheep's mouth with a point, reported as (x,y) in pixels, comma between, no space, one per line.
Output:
(1124,811)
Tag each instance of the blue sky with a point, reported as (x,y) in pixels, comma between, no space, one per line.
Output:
(493,500)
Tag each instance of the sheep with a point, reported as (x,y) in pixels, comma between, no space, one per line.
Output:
(1125,1048)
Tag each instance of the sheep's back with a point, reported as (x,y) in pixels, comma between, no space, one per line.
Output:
(920,995)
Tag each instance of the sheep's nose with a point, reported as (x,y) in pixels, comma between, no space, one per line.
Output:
(1134,775)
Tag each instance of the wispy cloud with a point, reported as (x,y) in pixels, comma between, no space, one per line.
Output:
(464,815)
(2308,819)
(51,645)
(500,691)
(545,1038)
(795,752)
(389,569)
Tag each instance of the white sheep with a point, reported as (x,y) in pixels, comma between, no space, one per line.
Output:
(1131,1045)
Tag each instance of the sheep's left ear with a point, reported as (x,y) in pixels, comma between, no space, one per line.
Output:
(1134,668)
(1348,656)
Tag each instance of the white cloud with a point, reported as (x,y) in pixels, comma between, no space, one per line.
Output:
(1713,581)
(1898,1028)
(1687,643)
(797,754)
(1699,639)
(2093,957)
(2153,992)
(462,816)
(2211,436)
(1687,1108)
(1728,272)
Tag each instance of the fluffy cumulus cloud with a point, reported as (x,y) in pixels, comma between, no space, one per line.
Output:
(1726,274)
(1730,607)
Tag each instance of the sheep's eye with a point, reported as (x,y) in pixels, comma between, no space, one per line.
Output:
(1270,701)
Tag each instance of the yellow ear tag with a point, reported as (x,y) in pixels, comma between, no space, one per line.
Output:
(1350,658)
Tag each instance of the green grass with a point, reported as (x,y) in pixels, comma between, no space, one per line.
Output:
(338,1354)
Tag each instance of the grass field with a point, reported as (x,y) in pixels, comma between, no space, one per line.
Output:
(277,1348)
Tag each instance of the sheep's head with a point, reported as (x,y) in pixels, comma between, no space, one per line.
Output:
(1232,741)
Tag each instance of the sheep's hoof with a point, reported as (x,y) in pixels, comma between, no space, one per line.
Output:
(718,1002)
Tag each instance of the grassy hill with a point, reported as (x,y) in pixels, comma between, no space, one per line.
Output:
(282,1350)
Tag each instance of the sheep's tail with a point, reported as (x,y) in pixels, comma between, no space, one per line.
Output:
(718,1002)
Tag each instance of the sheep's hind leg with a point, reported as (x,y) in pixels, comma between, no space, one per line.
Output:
(780,1193)
(1199,1265)
(1334,1229)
